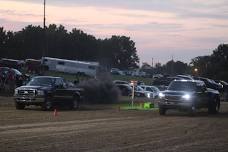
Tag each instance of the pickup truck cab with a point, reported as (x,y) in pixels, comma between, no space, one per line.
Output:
(47,92)
(189,95)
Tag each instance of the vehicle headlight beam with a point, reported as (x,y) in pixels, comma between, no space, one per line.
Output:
(186,97)
(161,95)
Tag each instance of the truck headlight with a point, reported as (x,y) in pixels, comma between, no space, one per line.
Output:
(148,95)
(161,95)
(16,92)
(40,93)
(186,97)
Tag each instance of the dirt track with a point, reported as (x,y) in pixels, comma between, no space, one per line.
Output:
(107,129)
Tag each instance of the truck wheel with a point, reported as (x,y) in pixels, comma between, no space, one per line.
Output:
(47,105)
(192,111)
(214,106)
(19,106)
(162,111)
(217,105)
(75,103)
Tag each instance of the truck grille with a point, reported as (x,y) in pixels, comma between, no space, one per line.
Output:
(27,92)
(173,98)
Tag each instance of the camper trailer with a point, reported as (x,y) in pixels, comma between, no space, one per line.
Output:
(71,66)
(11,63)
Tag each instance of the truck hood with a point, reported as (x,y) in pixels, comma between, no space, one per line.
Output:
(176,93)
(34,87)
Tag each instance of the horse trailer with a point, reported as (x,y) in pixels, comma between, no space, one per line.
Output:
(71,66)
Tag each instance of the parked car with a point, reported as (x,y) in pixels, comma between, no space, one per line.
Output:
(210,83)
(11,63)
(224,89)
(189,95)
(162,87)
(35,66)
(11,75)
(157,76)
(47,92)
(152,89)
(125,89)
(185,77)
(115,71)
(223,83)
(138,73)
(120,82)
(140,92)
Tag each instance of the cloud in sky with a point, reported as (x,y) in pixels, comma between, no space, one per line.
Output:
(161,29)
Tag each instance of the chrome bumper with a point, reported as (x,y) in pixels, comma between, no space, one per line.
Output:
(29,100)
(175,105)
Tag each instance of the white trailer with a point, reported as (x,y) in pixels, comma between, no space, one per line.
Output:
(71,66)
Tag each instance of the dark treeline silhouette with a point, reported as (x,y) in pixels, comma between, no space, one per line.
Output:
(117,51)
(171,68)
(214,66)
(33,42)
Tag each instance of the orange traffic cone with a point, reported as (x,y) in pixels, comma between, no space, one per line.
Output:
(55,113)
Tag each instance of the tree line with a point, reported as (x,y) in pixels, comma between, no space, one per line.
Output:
(117,51)
(56,41)
(171,68)
(214,66)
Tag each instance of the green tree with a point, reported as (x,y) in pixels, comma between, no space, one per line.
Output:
(121,52)
(175,68)
(117,51)
(214,66)
(3,39)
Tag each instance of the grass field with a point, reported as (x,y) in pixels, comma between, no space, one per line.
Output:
(72,77)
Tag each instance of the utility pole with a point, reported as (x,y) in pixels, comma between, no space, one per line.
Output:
(152,65)
(44,14)
(44,28)
(172,64)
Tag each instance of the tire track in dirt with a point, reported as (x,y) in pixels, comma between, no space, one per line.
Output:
(72,128)
(113,131)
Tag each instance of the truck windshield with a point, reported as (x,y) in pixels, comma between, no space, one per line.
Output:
(41,82)
(182,86)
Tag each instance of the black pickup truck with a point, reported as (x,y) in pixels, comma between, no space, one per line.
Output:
(189,95)
(47,92)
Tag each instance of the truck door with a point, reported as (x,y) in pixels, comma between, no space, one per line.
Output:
(62,93)
(202,96)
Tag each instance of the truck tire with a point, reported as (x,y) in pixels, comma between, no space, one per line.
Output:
(192,111)
(19,106)
(162,110)
(75,103)
(47,105)
(214,106)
